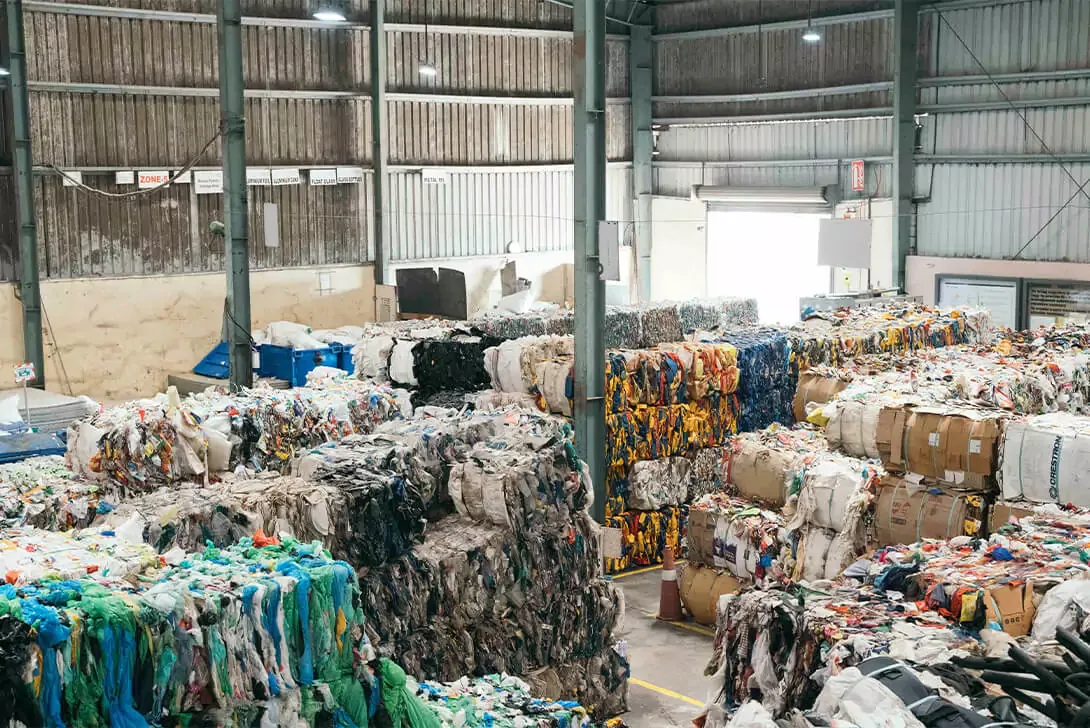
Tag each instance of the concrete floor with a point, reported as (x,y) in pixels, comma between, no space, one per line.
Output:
(668,658)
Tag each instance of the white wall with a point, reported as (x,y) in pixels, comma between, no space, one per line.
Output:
(679,248)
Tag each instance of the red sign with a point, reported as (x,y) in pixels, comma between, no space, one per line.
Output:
(858,178)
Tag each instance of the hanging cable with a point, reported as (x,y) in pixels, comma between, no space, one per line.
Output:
(78,184)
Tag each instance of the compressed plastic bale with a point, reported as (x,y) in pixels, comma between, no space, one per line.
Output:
(653,484)
(44,493)
(623,328)
(659,323)
(1046,459)
(554,382)
(455,364)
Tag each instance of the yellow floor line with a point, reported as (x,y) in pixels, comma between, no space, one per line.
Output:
(698,628)
(644,570)
(668,693)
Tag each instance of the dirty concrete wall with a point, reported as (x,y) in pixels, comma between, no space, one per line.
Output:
(119,338)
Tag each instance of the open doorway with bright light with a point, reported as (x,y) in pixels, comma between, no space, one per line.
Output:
(769,256)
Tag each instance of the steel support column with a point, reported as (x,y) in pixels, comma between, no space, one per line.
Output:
(589,74)
(906,36)
(235,195)
(23,167)
(640,57)
(378,136)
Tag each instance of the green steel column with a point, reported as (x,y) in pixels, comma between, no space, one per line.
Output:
(378,135)
(233,124)
(640,55)
(906,37)
(30,292)
(590,206)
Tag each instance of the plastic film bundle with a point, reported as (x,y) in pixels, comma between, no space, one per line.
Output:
(766,386)
(246,636)
(154,442)
(44,493)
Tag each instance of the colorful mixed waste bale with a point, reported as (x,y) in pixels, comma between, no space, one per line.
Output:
(644,535)
(44,493)
(985,583)
(729,533)
(780,645)
(147,443)
(766,384)
(498,701)
(834,337)
(247,635)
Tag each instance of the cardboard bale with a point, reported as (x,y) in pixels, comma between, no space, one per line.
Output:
(814,387)
(701,536)
(760,473)
(955,445)
(701,588)
(1000,514)
(905,513)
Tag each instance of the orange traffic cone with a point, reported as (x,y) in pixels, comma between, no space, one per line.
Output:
(669,596)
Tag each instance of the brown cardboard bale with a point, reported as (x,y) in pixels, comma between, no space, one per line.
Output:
(813,387)
(760,473)
(948,444)
(701,536)
(904,514)
(701,588)
(1012,606)
(1001,512)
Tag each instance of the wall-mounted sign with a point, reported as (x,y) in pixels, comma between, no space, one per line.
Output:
(323,177)
(25,373)
(350,175)
(125,177)
(286,177)
(145,180)
(184,178)
(435,176)
(859,175)
(208,182)
(259,177)
(71,179)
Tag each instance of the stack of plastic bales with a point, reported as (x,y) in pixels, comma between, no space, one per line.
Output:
(766,384)
(147,443)
(44,493)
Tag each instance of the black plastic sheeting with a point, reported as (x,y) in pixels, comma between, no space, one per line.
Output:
(16,701)
(452,365)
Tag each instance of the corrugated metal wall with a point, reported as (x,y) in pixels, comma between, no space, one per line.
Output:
(480,213)
(988,210)
(112,93)
(992,211)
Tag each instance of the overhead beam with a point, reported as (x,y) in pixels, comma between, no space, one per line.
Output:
(236,202)
(589,75)
(906,39)
(640,56)
(22,164)
(379,131)
(1062,157)
(59,8)
(825,20)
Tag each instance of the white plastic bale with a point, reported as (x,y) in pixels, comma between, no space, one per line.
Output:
(1046,459)
(401,363)
(863,701)
(371,357)
(813,552)
(853,428)
(552,380)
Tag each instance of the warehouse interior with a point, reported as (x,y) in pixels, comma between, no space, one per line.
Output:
(422,363)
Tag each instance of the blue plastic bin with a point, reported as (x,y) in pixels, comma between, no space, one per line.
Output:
(216,363)
(293,365)
(344,357)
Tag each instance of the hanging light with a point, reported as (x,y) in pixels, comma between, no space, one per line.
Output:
(427,70)
(329,15)
(811,35)
(4,72)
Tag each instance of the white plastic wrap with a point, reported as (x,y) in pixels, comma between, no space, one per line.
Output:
(853,428)
(1056,610)
(864,701)
(1046,459)
(371,357)
(289,333)
(401,363)
(752,715)
(813,554)
(552,380)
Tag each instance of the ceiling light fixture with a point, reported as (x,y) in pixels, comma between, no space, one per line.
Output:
(811,35)
(329,15)
(4,72)
(426,68)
